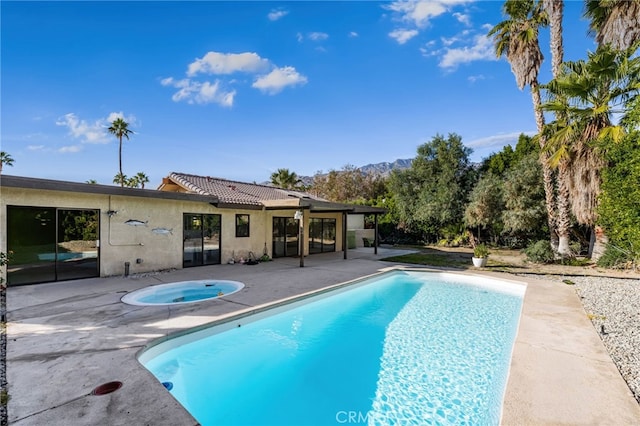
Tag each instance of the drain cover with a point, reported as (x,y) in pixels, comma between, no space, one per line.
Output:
(106,388)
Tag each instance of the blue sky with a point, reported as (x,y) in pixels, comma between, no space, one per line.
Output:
(239,89)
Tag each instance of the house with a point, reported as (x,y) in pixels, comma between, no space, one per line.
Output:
(57,230)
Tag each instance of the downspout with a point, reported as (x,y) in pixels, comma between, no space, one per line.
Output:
(375,236)
(344,234)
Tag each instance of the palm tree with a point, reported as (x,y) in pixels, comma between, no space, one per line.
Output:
(283,178)
(121,179)
(120,129)
(554,9)
(517,39)
(5,159)
(587,95)
(615,22)
(92,182)
(139,179)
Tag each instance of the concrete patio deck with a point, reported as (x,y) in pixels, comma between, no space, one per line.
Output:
(66,338)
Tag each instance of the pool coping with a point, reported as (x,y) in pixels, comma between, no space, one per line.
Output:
(560,372)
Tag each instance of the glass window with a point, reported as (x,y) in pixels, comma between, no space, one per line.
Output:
(201,239)
(242,225)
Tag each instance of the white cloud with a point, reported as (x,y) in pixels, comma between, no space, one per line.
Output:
(195,92)
(95,132)
(278,79)
(354,34)
(70,149)
(419,13)
(474,78)
(276,14)
(266,76)
(317,36)
(299,37)
(498,141)
(91,132)
(481,49)
(463,18)
(130,119)
(403,36)
(227,63)
(448,41)
(35,147)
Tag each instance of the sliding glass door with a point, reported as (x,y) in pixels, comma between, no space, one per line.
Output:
(49,244)
(285,237)
(322,235)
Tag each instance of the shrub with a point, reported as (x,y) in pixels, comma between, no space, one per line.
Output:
(540,252)
(480,250)
(615,257)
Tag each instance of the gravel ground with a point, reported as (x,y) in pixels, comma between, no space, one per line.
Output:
(613,305)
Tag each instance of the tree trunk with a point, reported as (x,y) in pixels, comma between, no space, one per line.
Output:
(547,173)
(120,163)
(563,220)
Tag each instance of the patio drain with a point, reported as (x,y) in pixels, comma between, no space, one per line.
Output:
(106,388)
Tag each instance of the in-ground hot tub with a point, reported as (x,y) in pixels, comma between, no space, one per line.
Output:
(182,292)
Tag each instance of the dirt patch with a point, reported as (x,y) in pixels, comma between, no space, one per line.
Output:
(512,261)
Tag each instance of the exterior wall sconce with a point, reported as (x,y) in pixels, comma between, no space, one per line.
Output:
(298,215)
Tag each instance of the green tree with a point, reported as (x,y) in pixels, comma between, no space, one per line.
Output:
(524,215)
(120,128)
(432,194)
(5,160)
(586,96)
(283,178)
(517,39)
(485,206)
(139,180)
(619,207)
(349,185)
(500,162)
(121,179)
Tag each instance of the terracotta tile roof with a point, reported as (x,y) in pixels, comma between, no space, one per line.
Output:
(232,192)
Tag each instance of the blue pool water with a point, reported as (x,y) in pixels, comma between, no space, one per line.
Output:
(405,348)
(182,292)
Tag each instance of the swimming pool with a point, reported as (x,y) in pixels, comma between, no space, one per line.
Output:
(399,348)
(181,292)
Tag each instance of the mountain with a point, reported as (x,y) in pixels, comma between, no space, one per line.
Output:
(385,168)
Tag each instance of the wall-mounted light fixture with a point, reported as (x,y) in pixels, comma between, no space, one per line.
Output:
(298,215)
(112,213)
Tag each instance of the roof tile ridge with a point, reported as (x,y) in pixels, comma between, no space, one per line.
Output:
(191,186)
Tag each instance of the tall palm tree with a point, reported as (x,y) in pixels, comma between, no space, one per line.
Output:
(517,39)
(120,129)
(555,10)
(588,94)
(284,178)
(615,22)
(5,159)
(120,179)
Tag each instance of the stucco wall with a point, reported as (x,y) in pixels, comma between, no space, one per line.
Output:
(120,242)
